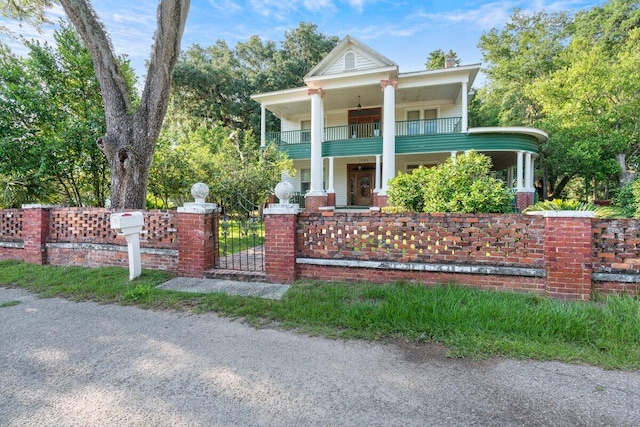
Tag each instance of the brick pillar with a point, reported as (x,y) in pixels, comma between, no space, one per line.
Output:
(197,241)
(280,247)
(331,199)
(35,229)
(314,203)
(568,255)
(524,200)
(380,200)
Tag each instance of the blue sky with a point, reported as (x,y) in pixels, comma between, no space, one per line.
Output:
(405,31)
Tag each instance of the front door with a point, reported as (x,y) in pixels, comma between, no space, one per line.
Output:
(361,182)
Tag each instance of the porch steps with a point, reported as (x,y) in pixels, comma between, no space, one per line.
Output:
(242,276)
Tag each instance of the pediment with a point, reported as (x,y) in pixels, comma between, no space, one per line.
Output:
(350,56)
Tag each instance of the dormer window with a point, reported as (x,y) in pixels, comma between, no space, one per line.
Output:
(349,61)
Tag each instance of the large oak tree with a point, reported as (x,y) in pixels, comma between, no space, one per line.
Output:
(132,131)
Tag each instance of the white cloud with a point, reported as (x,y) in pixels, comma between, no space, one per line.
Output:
(357,4)
(226,7)
(278,9)
(485,17)
(317,5)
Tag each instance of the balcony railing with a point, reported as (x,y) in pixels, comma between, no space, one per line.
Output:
(371,130)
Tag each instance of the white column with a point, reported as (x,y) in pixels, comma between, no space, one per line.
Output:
(520,171)
(263,126)
(377,187)
(316,142)
(510,177)
(453,157)
(533,172)
(465,106)
(388,133)
(528,173)
(330,188)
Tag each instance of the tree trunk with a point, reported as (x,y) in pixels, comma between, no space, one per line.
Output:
(560,187)
(129,158)
(624,176)
(131,137)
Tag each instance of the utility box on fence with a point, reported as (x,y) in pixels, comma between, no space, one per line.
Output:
(129,224)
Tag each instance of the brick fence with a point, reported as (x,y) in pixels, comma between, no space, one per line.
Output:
(562,257)
(185,243)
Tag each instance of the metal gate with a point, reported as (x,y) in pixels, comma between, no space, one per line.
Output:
(241,235)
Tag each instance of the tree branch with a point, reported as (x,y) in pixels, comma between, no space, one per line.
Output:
(112,83)
(172,15)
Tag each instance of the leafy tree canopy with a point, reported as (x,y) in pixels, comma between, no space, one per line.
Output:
(214,84)
(50,117)
(438,59)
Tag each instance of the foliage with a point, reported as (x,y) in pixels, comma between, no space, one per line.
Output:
(575,77)
(214,84)
(574,205)
(437,59)
(394,209)
(525,50)
(30,11)
(227,161)
(628,199)
(51,115)
(468,322)
(239,172)
(405,190)
(9,303)
(170,179)
(592,104)
(460,185)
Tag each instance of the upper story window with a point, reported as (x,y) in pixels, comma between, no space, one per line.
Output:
(349,61)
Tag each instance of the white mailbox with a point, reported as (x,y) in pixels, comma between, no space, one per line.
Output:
(130,225)
(127,222)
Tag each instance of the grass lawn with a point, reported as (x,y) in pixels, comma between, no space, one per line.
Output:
(468,322)
(235,236)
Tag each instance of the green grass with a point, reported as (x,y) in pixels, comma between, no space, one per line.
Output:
(9,303)
(468,322)
(235,236)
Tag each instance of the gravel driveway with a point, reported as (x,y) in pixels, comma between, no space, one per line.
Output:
(84,364)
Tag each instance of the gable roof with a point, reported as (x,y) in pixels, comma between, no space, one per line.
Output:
(361,57)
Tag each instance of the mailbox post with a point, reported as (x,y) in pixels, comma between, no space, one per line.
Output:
(129,224)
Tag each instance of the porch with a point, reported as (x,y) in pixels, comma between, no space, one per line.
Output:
(369,130)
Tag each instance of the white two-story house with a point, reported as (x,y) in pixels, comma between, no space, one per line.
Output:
(359,121)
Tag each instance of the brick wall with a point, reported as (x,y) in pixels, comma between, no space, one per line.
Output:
(560,257)
(508,240)
(616,255)
(11,244)
(83,237)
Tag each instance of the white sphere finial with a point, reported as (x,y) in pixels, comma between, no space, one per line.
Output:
(284,191)
(199,191)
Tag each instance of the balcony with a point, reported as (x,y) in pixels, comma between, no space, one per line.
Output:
(370,130)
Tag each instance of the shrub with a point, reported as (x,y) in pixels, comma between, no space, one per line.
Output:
(405,190)
(628,199)
(463,186)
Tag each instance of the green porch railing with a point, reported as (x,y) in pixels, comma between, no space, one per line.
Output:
(370,130)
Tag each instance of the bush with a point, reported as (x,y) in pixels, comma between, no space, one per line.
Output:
(405,190)
(463,186)
(628,199)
